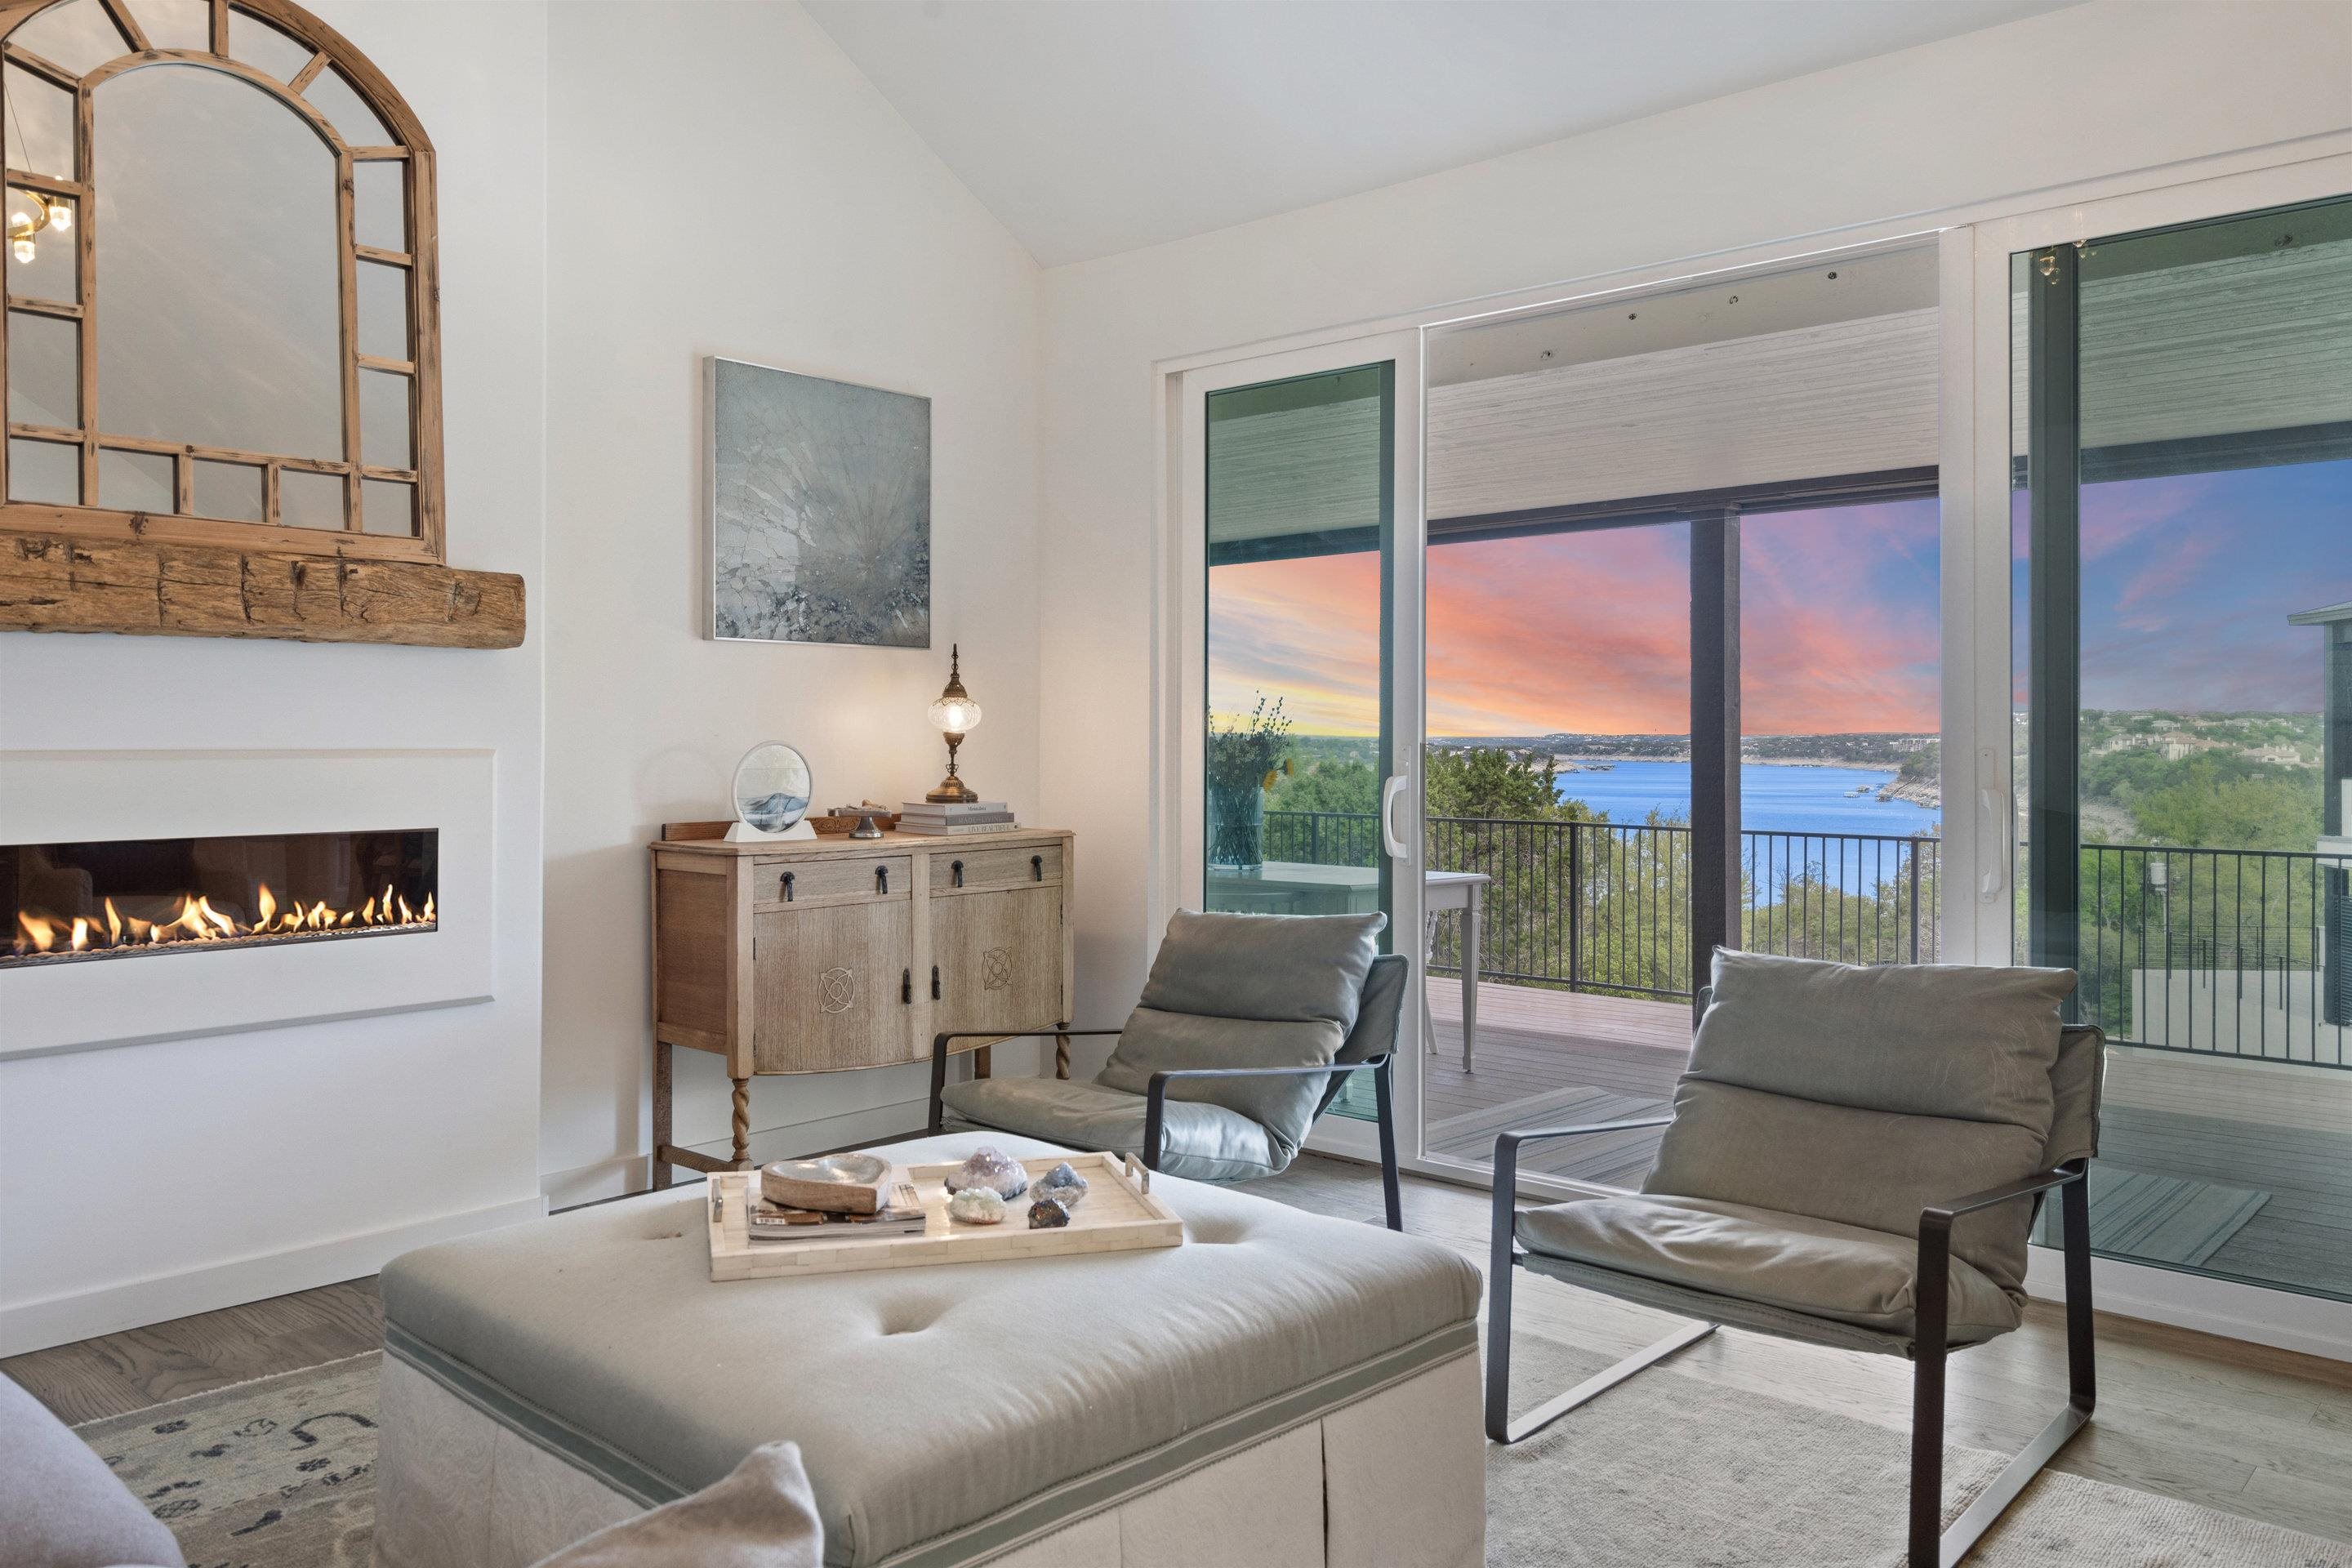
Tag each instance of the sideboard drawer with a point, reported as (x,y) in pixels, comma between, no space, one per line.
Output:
(849,880)
(1017,868)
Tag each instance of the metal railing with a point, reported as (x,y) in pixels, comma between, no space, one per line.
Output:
(2235,953)
(1598,906)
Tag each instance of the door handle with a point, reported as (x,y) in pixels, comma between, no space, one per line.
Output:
(881,879)
(1038,868)
(957,866)
(1997,824)
(1391,840)
(935,982)
(788,887)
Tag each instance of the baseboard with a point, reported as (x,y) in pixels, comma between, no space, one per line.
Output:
(134,1303)
(621,1175)
(2283,1320)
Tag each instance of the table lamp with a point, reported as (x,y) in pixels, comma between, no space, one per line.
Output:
(955,714)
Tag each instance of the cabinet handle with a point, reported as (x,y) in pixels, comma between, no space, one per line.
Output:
(907,985)
(935,982)
(788,887)
(1037,866)
(957,866)
(881,879)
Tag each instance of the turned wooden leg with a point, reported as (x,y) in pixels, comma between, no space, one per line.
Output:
(1061,1055)
(742,1123)
(662,1089)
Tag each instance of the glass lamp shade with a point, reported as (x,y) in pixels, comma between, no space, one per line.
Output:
(955,715)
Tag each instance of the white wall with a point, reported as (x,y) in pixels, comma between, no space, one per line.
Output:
(148,1181)
(2104,88)
(795,221)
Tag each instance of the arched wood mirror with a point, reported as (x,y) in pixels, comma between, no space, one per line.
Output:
(221,296)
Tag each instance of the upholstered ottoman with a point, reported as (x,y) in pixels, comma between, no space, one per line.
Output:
(1284,1389)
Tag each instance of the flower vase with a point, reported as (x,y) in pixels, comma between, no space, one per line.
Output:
(1237,827)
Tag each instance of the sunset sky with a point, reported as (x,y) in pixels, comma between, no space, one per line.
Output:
(2187,585)
(1592,631)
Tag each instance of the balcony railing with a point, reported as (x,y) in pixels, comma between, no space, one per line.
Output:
(1598,906)
(2216,952)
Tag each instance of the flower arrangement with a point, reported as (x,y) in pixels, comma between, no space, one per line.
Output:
(1243,762)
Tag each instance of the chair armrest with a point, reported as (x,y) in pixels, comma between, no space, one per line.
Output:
(1155,1093)
(1507,1177)
(1931,1291)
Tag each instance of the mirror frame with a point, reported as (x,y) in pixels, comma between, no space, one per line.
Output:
(420,261)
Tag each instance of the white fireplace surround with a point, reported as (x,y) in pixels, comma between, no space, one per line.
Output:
(80,796)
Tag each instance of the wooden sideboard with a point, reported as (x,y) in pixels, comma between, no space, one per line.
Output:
(828,954)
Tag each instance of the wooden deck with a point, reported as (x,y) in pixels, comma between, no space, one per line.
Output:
(1555,1058)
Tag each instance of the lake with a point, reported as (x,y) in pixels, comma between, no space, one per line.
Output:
(1778,799)
(1781,800)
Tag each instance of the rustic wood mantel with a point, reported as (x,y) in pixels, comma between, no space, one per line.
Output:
(60,582)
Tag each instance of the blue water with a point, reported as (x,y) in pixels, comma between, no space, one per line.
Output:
(1776,800)
(1792,800)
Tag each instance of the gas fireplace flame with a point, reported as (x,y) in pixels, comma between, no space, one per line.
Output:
(39,932)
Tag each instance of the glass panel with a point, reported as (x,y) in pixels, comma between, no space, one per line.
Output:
(1299,507)
(2188,591)
(40,132)
(179,146)
(306,499)
(384,311)
(54,272)
(380,202)
(387,507)
(78,34)
(135,481)
(47,472)
(175,24)
(384,420)
(333,96)
(1841,694)
(231,491)
(264,49)
(44,371)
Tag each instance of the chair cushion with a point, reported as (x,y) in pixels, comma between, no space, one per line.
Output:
(1291,968)
(1153,1041)
(1862,1095)
(1790,1262)
(1199,1141)
(60,1507)
(2077,1083)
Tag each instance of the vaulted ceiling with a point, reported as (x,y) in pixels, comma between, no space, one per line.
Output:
(1094,126)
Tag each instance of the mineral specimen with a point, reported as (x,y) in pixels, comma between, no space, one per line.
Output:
(992,1169)
(1045,1213)
(1065,1193)
(977,1206)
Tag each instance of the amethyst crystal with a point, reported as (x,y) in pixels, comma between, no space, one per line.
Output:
(991,1168)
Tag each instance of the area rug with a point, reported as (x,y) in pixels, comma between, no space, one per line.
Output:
(1666,1471)
(274,1473)
(2178,1220)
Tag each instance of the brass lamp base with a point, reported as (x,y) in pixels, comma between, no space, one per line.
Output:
(952,790)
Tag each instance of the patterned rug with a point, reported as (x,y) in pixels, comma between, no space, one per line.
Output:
(1666,1471)
(274,1473)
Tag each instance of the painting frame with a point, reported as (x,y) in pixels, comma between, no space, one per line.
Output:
(860,455)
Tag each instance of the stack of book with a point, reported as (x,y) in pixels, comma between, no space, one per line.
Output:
(773,1222)
(941,819)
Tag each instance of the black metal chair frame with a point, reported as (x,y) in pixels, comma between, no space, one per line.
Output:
(1929,1548)
(1155,1099)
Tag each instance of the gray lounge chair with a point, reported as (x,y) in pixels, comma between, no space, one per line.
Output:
(1248,1029)
(1854,1159)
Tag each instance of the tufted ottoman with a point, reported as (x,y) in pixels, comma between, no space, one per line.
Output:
(1284,1389)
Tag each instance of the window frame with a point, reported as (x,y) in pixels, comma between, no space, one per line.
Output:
(411,148)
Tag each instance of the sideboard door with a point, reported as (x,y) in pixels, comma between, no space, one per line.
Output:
(1000,959)
(835,987)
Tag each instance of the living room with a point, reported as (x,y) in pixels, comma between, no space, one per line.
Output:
(1383,467)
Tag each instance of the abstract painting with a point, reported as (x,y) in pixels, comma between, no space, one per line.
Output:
(820,510)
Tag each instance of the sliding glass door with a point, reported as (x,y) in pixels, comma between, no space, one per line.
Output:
(2182,426)
(1302,535)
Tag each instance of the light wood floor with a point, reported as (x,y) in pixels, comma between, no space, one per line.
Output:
(2256,1432)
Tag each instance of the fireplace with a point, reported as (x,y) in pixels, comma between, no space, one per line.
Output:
(66,902)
